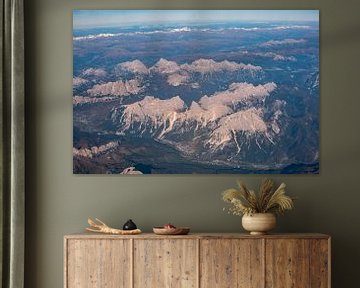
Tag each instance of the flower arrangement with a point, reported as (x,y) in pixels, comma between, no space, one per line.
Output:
(268,200)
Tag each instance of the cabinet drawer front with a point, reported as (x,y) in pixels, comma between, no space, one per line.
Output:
(231,263)
(166,263)
(98,263)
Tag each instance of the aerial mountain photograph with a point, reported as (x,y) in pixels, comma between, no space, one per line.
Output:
(196,92)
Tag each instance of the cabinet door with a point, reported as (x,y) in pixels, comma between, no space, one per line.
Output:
(166,263)
(98,263)
(287,263)
(231,263)
(320,263)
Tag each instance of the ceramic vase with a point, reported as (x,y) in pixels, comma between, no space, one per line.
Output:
(259,223)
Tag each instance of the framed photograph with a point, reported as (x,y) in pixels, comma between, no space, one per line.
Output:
(195,91)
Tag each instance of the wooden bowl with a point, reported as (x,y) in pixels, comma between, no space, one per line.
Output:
(171,231)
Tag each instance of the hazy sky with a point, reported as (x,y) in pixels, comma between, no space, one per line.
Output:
(98,18)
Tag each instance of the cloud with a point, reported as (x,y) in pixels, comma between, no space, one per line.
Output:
(282,42)
(286,27)
(118,88)
(189,29)
(108,35)
(96,36)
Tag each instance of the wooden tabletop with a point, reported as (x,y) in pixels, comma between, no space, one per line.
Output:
(89,235)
